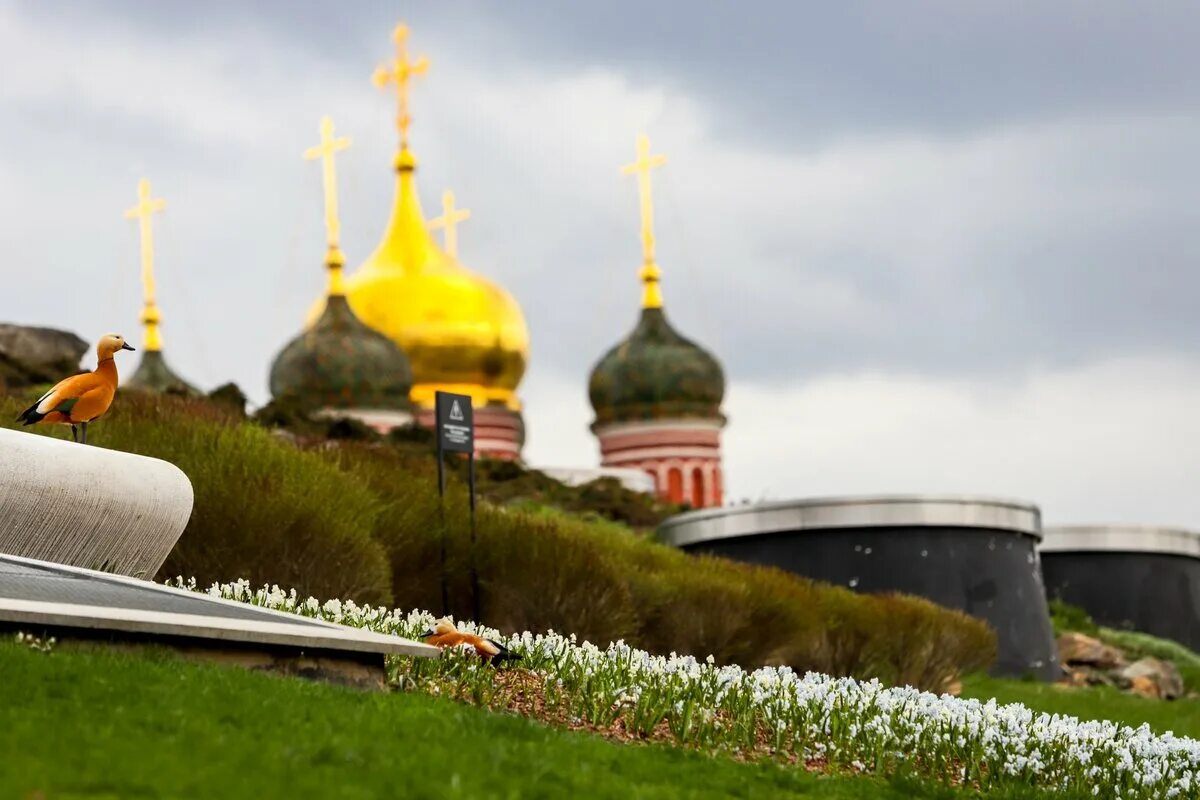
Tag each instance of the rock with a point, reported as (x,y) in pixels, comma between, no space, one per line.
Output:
(1081,676)
(42,348)
(1143,687)
(1076,648)
(1165,679)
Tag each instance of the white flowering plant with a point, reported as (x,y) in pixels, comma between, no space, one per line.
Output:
(812,719)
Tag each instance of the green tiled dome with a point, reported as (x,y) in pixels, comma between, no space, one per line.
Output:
(154,375)
(655,373)
(341,363)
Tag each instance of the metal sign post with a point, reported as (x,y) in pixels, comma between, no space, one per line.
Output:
(456,434)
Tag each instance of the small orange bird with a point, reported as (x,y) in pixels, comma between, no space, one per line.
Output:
(81,399)
(444,634)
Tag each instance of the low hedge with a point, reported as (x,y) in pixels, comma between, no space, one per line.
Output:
(358,519)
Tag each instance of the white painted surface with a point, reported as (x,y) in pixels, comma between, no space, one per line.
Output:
(1121,539)
(271,628)
(868,511)
(635,480)
(87,506)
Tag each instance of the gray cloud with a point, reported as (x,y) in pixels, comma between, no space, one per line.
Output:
(935,190)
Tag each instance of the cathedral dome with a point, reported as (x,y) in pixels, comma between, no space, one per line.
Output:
(341,363)
(460,331)
(656,373)
(155,375)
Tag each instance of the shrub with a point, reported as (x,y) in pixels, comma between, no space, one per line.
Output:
(263,510)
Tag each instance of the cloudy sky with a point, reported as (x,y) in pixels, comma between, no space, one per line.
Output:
(938,246)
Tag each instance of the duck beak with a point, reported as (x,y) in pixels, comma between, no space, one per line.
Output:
(127,347)
(427,634)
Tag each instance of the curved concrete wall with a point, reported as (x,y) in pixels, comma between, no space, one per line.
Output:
(89,507)
(971,554)
(1144,578)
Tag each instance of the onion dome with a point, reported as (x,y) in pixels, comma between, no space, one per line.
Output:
(341,363)
(460,331)
(656,373)
(155,375)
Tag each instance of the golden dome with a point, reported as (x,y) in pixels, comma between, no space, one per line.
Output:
(461,332)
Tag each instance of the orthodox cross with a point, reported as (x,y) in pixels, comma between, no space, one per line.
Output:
(448,221)
(146,207)
(651,296)
(398,72)
(325,151)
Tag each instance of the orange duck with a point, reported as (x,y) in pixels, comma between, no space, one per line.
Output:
(444,634)
(84,398)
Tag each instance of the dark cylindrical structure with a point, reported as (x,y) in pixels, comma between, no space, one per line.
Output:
(1135,577)
(972,554)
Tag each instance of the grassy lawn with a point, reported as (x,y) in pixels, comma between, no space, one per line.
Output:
(84,722)
(1180,716)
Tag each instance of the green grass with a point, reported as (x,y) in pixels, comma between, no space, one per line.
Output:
(85,722)
(1180,716)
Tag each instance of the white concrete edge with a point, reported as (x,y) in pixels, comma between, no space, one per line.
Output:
(1121,539)
(878,511)
(285,617)
(129,620)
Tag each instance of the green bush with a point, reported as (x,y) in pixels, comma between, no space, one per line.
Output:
(1065,617)
(360,518)
(263,510)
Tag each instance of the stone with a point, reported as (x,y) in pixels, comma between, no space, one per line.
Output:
(1144,687)
(1147,672)
(87,506)
(45,354)
(1081,676)
(1076,648)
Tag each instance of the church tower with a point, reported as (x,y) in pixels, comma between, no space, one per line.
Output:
(339,365)
(657,395)
(153,374)
(461,332)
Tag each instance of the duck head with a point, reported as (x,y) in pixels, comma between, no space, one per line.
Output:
(440,628)
(111,343)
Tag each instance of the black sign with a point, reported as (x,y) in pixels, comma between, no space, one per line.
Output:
(455,423)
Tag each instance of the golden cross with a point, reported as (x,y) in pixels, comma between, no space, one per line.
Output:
(448,221)
(651,297)
(399,71)
(145,208)
(324,151)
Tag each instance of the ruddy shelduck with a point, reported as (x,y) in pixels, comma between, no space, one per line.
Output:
(444,634)
(83,398)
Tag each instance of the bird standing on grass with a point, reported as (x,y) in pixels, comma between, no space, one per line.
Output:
(444,634)
(84,398)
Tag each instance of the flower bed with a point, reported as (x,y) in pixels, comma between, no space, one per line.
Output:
(834,723)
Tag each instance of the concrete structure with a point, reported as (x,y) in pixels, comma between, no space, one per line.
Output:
(973,554)
(1139,577)
(87,506)
(69,602)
